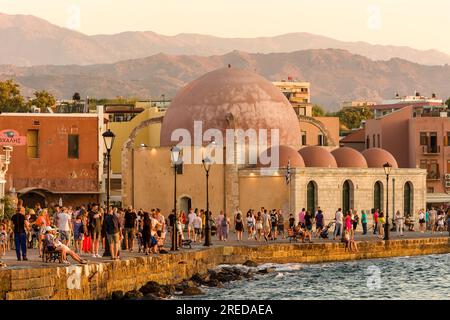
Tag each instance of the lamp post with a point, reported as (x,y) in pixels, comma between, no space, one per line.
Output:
(207,165)
(175,157)
(108,139)
(387,170)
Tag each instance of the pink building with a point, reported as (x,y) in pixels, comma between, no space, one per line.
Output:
(417,139)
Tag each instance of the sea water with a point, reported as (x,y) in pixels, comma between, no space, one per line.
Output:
(418,277)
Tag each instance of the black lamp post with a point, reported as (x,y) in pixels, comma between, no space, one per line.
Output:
(108,139)
(387,170)
(176,159)
(207,165)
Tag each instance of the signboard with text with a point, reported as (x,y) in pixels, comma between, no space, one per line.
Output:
(10,137)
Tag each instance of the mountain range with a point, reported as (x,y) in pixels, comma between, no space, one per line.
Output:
(335,75)
(27,40)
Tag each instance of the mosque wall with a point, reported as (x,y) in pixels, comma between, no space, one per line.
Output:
(270,192)
(154,183)
(330,188)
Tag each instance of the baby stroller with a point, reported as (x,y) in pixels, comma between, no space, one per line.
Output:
(324,232)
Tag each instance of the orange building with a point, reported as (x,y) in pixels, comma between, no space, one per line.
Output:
(60,161)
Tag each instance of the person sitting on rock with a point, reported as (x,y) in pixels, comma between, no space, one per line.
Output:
(51,240)
(350,243)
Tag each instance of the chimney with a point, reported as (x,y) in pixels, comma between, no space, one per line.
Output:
(433,95)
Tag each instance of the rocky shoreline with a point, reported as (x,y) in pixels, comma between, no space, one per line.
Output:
(192,286)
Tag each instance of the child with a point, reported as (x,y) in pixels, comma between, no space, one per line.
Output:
(3,239)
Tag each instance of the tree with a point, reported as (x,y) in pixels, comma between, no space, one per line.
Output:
(7,209)
(43,100)
(10,98)
(318,111)
(76,96)
(448,103)
(352,117)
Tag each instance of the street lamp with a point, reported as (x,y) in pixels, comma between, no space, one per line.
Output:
(207,165)
(175,153)
(108,139)
(387,170)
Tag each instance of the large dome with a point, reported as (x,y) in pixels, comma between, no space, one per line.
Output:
(286,155)
(317,157)
(231,98)
(377,157)
(349,158)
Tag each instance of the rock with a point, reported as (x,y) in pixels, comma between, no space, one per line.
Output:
(133,295)
(224,276)
(214,283)
(266,270)
(249,274)
(149,297)
(117,295)
(192,291)
(154,288)
(169,289)
(200,279)
(250,263)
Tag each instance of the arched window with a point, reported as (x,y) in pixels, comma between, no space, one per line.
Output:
(311,197)
(408,199)
(347,196)
(378,195)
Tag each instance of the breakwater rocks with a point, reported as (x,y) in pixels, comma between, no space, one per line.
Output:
(192,287)
(101,280)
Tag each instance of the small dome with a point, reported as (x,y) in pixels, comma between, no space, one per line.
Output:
(285,155)
(377,157)
(317,157)
(349,158)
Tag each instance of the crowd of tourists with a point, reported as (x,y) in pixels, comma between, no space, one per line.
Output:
(82,231)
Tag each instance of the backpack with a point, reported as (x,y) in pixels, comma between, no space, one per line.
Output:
(224,223)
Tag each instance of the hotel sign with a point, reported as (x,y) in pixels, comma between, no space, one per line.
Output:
(10,137)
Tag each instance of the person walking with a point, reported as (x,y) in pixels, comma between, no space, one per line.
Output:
(129,230)
(319,222)
(364,221)
(224,226)
(20,227)
(399,221)
(238,225)
(421,221)
(281,224)
(381,222)
(433,219)
(95,229)
(111,225)
(375,221)
(266,224)
(259,226)
(338,218)
(355,222)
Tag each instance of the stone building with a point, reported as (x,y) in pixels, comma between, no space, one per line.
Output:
(238,99)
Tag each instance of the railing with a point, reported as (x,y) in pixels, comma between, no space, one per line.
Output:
(433,149)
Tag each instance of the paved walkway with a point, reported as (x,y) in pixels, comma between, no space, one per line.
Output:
(34,260)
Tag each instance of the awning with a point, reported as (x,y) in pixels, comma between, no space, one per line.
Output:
(438,197)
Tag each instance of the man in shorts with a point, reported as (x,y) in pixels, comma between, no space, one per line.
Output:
(129,231)
(64,224)
(112,231)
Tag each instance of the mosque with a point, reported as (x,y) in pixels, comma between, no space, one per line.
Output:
(237,99)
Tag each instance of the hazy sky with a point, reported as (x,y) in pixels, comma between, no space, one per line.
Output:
(416,23)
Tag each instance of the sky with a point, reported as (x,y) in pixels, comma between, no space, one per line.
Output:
(416,23)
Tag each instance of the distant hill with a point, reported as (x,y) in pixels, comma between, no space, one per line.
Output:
(27,40)
(335,75)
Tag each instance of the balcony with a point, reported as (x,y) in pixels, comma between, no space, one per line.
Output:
(431,150)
